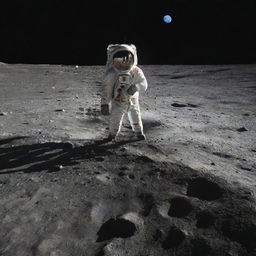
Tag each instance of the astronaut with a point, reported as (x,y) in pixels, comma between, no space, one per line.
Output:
(122,82)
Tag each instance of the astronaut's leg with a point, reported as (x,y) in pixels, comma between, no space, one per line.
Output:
(115,120)
(135,121)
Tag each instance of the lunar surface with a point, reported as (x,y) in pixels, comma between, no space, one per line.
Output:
(188,190)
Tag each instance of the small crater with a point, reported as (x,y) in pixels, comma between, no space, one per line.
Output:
(179,105)
(200,247)
(131,176)
(174,238)
(205,219)
(119,228)
(204,189)
(180,207)
(242,129)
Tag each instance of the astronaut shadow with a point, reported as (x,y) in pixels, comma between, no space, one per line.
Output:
(50,155)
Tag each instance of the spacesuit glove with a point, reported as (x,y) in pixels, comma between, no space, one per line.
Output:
(132,89)
(105,109)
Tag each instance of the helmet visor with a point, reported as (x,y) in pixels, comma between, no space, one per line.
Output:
(123,60)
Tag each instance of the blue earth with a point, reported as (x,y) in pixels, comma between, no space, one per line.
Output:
(167,19)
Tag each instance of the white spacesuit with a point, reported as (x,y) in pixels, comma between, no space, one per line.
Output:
(122,82)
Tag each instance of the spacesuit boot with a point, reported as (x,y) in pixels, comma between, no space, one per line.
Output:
(134,117)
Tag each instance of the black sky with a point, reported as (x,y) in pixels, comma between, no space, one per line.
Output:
(78,32)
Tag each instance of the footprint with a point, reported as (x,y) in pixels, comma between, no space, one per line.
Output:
(174,238)
(204,189)
(180,207)
(116,228)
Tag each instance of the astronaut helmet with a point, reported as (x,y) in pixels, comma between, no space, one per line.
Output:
(121,56)
(123,60)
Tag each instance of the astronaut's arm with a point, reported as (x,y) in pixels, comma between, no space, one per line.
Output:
(141,81)
(107,89)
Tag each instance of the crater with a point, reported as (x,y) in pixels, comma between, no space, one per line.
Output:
(116,228)
(205,219)
(204,189)
(174,238)
(180,207)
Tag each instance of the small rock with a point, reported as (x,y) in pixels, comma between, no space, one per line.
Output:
(3,113)
(56,168)
(242,129)
(60,110)
(81,109)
